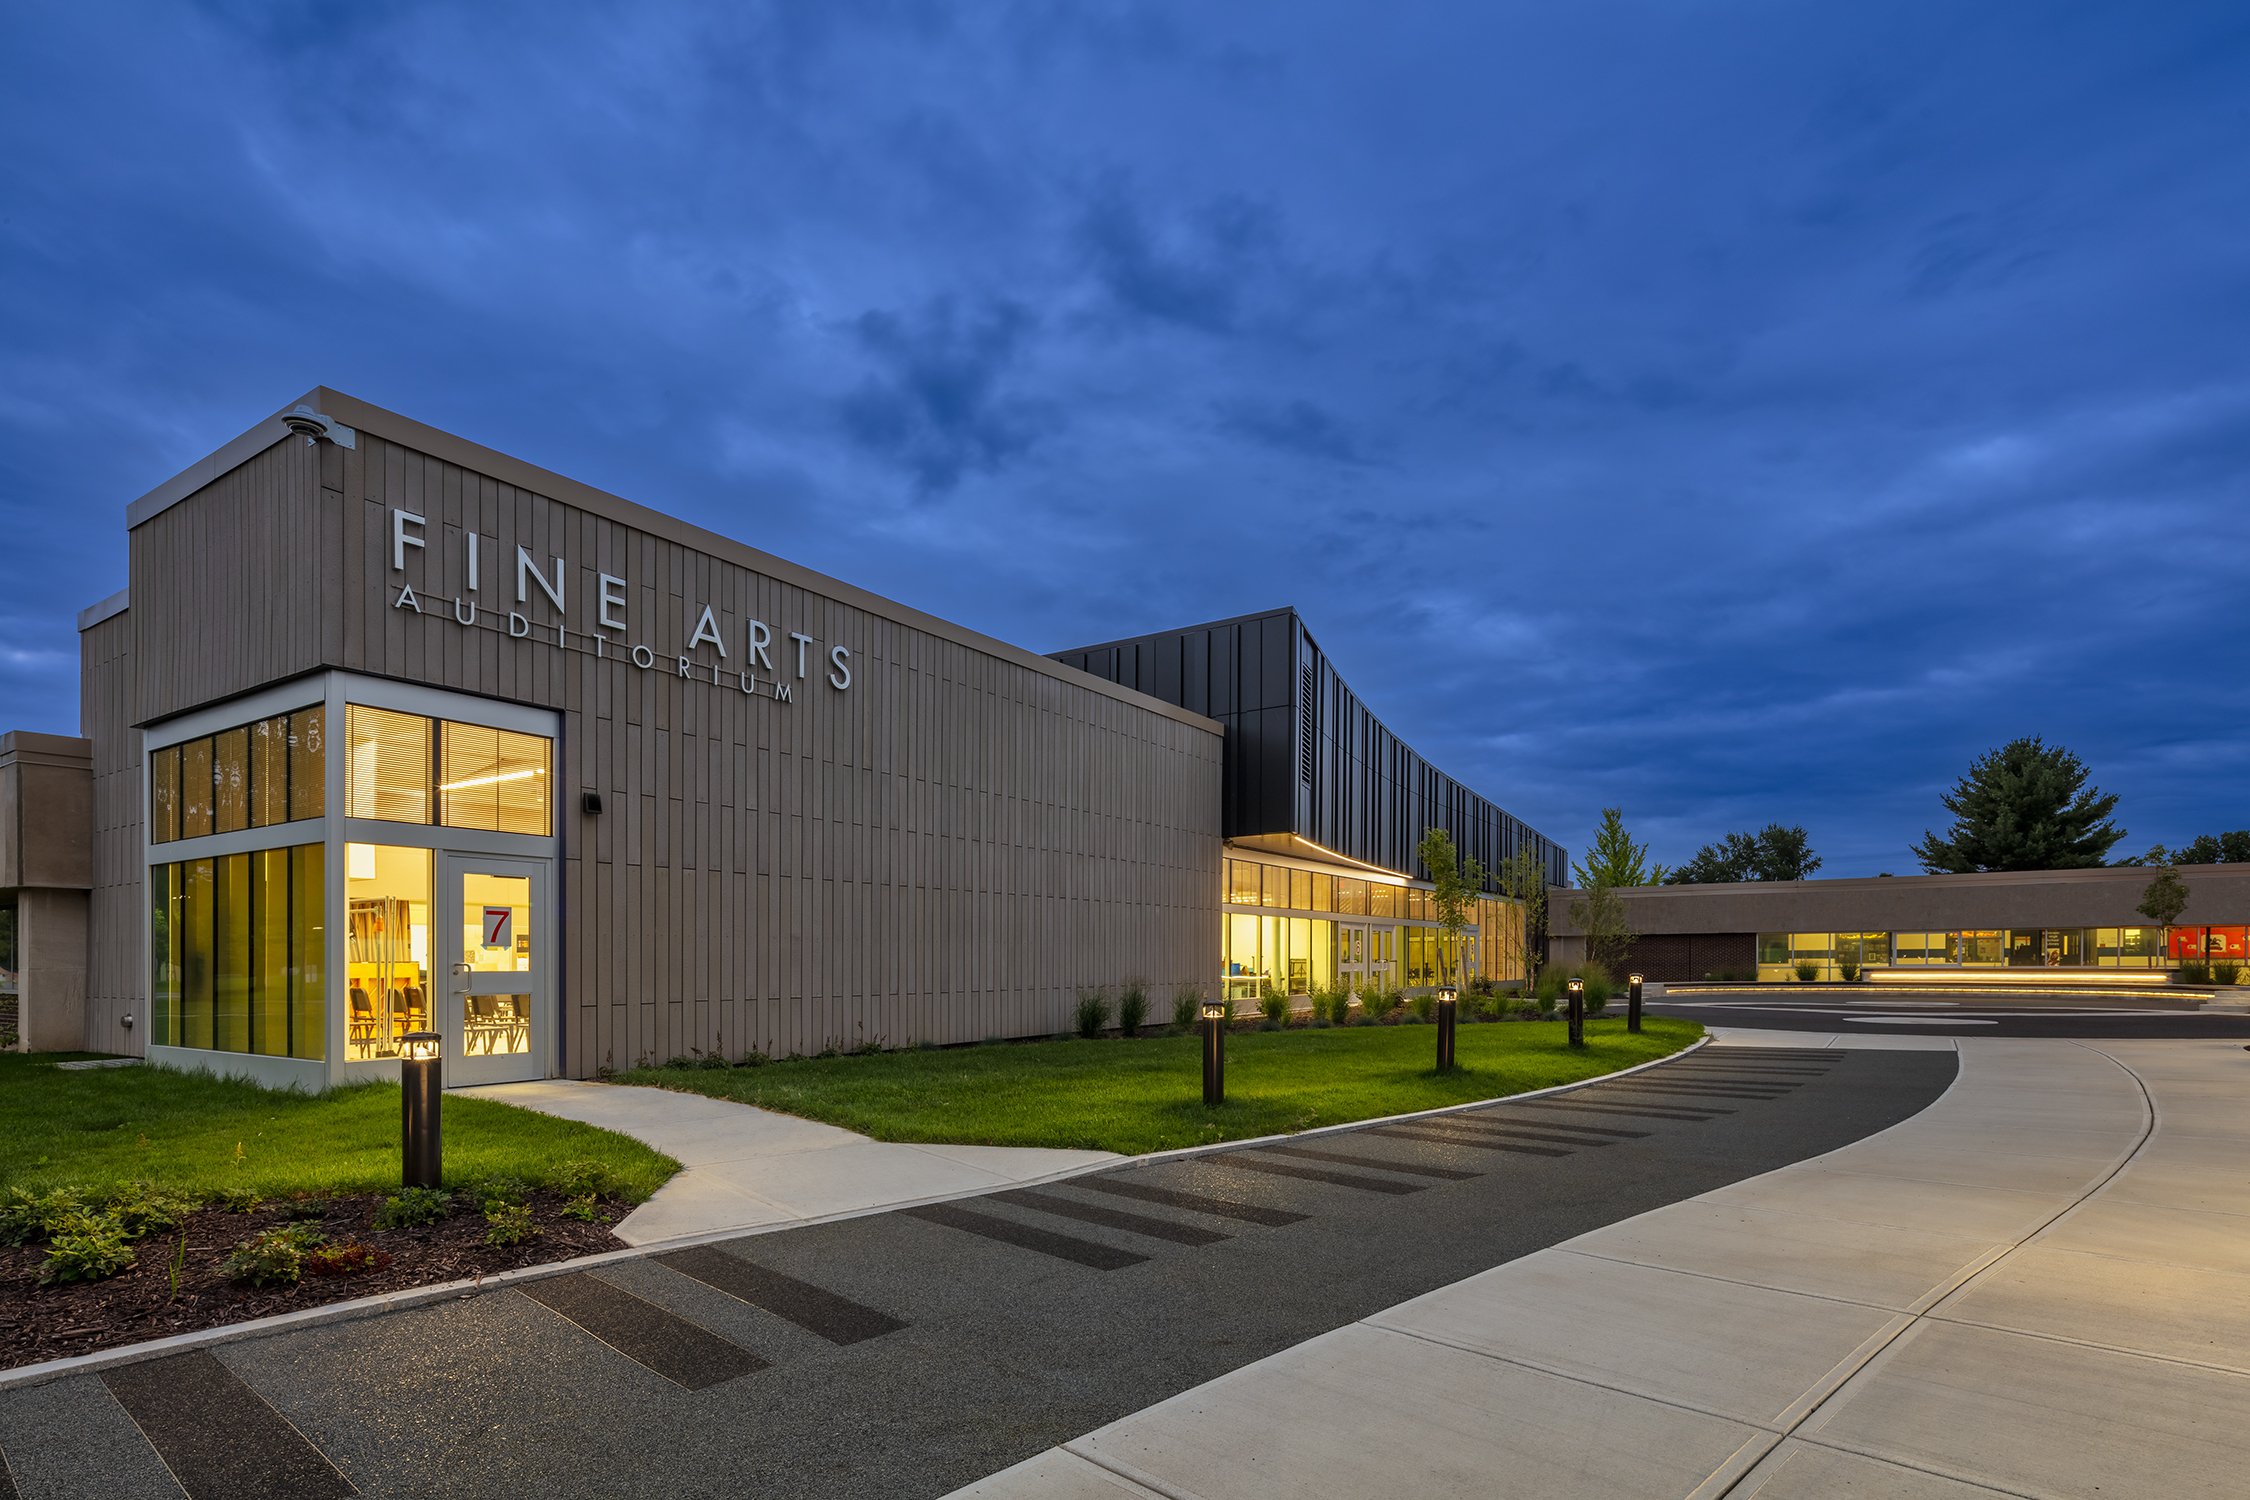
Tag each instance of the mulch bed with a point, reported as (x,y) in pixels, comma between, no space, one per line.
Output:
(48,1322)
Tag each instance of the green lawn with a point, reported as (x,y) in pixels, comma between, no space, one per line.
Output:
(1146,1094)
(109,1127)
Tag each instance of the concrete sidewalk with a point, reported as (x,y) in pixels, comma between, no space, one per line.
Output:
(748,1168)
(2038,1286)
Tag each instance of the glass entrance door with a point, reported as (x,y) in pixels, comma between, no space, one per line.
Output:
(498,1017)
(1356,956)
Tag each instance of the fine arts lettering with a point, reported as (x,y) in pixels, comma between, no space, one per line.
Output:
(758,641)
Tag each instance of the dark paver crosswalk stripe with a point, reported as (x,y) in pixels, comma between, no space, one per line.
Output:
(1703,1090)
(1027,1237)
(1497,1120)
(643,1332)
(1776,1075)
(1223,1208)
(1645,1111)
(1111,1218)
(1317,1174)
(836,1319)
(1550,1135)
(1471,1140)
(1348,1159)
(220,1438)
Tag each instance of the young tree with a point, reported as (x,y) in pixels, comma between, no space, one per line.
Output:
(1459,882)
(1600,914)
(1522,877)
(2165,898)
(1774,853)
(1615,859)
(2024,806)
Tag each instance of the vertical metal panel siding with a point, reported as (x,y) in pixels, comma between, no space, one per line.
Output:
(1371,796)
(943,853)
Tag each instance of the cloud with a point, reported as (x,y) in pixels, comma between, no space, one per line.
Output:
(1295,427)
(938,405)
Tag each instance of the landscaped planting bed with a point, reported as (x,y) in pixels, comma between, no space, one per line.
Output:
(138,1202)
(180,1281)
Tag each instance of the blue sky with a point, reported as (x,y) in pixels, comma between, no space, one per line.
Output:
(1733,411)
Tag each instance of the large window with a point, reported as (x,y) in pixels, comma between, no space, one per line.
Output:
(387,947)
(254,776)
(404,768)
(237,949)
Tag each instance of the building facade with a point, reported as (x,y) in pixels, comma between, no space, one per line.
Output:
(1325,810)
(392,732)
(2073,921)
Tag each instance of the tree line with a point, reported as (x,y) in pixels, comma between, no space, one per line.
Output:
(2025,806)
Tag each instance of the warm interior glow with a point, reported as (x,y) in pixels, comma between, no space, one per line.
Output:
(455,786)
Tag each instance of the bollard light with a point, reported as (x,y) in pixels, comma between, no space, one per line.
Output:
(1447,997)
(1578,1013)
(1633,1002)
(1214,1052)
(421,1087)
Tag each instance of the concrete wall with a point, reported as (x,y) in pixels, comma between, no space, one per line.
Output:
(46,862)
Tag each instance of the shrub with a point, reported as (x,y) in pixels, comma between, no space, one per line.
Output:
(1187,1007)
(1376,1002)
(352,1258)
(1531,1010)
(1847,969)
(1093,1012)
(754,1058)
(86,1247)
(588,1209)
(679,1060)
(1423,1006)
(487,1191)
(26,1216)
(142,1210)
(411,1208)
(2194,971)
(1599,986)
(711,1060)
(1274,1006)
(1807,971)
(235,1200)
(578,1179)
(1132,1008)
(2226,971)
(273,1257)
(508,1224)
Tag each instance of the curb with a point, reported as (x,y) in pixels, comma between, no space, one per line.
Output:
(449,1291)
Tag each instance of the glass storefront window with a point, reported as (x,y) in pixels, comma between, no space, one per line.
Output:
(1979,947)
(1351,897)
(237,951)
(1242,882)
(1867,949)
(1384,901)
(387,953)
(254,776)
(195,789)
(387,766)
(1924,947)
(1324,893)
(493,779)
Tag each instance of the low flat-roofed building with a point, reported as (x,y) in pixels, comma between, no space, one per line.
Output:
(2077,920)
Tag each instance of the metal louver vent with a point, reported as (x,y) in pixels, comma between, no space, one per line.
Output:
(1305,709)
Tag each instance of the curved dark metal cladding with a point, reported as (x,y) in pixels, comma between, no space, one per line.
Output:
(1304,755)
